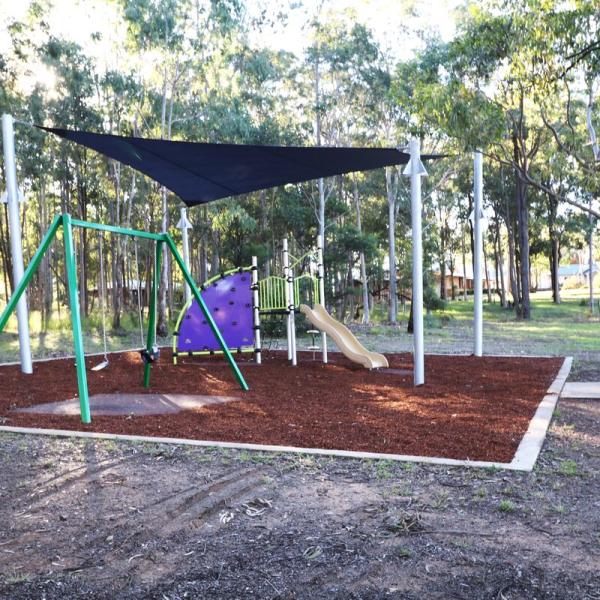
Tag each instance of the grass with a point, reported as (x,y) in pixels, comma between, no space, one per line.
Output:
(507,506)
(564,329)
(56,339)
(17,577)
(569,468)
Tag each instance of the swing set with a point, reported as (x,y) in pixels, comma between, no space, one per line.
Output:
(149,353)
(146,357)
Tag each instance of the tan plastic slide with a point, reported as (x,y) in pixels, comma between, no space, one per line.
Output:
(343,337)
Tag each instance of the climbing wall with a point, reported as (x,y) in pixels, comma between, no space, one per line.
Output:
(229,300)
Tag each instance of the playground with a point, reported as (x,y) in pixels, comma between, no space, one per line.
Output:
(470,409)
(222,386)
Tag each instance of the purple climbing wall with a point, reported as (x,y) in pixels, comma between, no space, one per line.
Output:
(230,302)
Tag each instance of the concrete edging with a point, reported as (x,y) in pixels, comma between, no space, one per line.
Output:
(531,444)
(524,459)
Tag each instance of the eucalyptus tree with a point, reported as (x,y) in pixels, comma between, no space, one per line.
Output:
(178,36)
(72,106)
(346,71)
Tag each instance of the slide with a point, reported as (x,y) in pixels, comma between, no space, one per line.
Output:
(343,337)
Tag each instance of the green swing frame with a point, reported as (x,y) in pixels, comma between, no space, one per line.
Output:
(67,223)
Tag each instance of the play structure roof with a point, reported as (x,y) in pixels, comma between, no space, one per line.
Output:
(199,173)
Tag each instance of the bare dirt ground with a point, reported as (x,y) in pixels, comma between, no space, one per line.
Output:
(106,520)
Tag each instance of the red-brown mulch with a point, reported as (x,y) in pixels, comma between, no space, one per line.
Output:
(475,408)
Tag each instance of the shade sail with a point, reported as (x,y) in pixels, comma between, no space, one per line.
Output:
(199,173)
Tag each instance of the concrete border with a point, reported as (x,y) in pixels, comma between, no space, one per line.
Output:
(524,459)
(531,444)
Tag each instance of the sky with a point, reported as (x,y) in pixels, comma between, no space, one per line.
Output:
(396,25)
(77,20)
(386,18)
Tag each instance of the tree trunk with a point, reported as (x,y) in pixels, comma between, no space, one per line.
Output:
(464,263)
(554,264)
(45,270)
(514,286)
(487,274)
(363,265)
(591,261)
(410,325)
(215,263)
(443,233)
(523,224)
(500,263)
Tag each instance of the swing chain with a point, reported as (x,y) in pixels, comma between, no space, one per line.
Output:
(139,292)
(152,355)
(102,293)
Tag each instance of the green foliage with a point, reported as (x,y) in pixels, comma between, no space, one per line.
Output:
(431,300)
(516,77)
(569,468)
(507,506)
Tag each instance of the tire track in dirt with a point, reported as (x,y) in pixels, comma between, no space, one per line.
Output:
(60,482)
(147,551)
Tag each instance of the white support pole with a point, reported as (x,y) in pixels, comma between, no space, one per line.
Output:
(292,309)
(184,225)
(286,289)
(321,278)
(256,311)
(477,254)
(16,248)
(416,171)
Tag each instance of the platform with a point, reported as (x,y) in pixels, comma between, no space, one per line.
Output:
(581,389)
(128,404)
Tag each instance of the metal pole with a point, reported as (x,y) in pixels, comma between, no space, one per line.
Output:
(256,310)
(416,170)
(84,403)
(16,249)
(477,255)
(286,288)
(292,306)
(184,225)
(151,337)
(321,278)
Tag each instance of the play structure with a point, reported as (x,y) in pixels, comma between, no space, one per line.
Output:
(238,298)
(231,297)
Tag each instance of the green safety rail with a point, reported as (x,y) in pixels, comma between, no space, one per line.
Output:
(161,239)
(271,292)
(313,289)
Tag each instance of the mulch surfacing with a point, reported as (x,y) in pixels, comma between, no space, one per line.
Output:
(470,408)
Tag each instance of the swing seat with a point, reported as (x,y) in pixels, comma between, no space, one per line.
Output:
(150,356)
(101,365)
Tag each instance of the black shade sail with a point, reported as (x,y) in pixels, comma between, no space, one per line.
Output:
(200,173)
